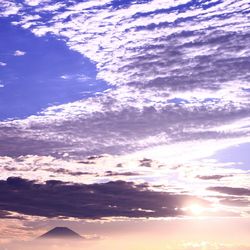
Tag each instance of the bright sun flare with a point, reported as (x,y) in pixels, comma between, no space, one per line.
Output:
(196,209)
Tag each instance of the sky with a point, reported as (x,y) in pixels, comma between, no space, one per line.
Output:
(126,121)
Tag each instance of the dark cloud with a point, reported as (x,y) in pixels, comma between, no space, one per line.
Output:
(67,172)
(15,142)
(119,165)
(116,198)
(112,173)
(235,201)
(8,215)
(5,215)
(212,177)
(94,157)
(146,163)
(231,190)
(91,159)
(86,162)
(9,168)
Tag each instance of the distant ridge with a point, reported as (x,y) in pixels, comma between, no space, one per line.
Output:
(61,233)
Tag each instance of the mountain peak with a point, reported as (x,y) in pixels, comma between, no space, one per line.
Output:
(60,233)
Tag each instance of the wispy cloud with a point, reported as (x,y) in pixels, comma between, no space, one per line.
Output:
(212,177)
(77,77)
(231,190)
(19,53)
(3,64)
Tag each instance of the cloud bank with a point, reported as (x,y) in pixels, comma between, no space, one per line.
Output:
(94,201)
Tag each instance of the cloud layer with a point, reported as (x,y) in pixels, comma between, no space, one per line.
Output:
(112,199)
(178,70)
(179,91)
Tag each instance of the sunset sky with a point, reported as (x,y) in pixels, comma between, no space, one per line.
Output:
(126,121)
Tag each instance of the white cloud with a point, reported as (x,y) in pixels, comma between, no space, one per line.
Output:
(3,64)
(27,21)
(19,53)
(111,37)
(1,84)
(52,7)
(8,8)
(65,77)
(77,77)
(36,2)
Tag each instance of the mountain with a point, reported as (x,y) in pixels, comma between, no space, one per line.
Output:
(61,233)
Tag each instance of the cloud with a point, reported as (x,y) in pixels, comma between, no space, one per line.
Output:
(129,39)
(152,54)
(26,146)
(146,163)
(79,129)
(212,177)
(35,2)
(19,53)
(8,8)
(3,64)
(12,216)
(77,77)
(112,199)
(5,215)
(212,245)
(235,201)
(178,77)
(67,172)
(112,173)
(231,190)
(65,77)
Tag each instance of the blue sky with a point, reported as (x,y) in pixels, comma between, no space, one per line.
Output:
(147,97)
(47,74)
(238,154)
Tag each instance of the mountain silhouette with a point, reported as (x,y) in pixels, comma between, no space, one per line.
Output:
(61,233)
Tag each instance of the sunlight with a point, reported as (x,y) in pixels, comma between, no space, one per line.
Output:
(196,209)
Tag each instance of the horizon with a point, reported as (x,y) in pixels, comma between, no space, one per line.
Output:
(127,122)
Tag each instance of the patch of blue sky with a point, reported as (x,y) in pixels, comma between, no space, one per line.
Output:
(204,4)
(117,4)
(178,101)
(184,101)
(211,100)
(246,89)
(46,16)
(48,73)
(238,153)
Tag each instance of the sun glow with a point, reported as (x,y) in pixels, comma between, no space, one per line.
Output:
(196,209)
